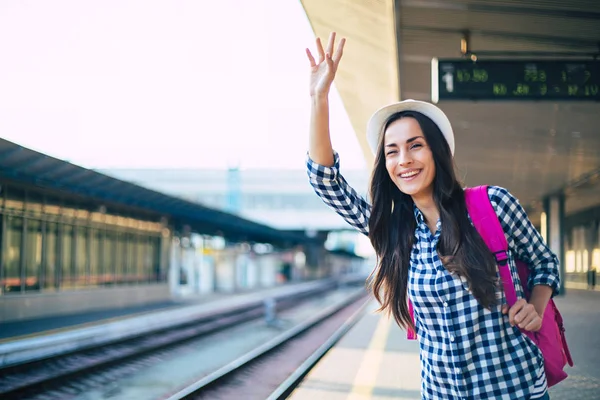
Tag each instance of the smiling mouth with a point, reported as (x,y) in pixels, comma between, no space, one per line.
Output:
(407,176)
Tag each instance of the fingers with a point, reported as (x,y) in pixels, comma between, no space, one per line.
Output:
(329,61)
(338,52)
(320,51)
(535,325)
(514,310)
(505,309)
(310,58)
(530,320)
(523,315)
(332,59)
(331,43)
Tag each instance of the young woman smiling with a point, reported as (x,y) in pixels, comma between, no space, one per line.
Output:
(429,252)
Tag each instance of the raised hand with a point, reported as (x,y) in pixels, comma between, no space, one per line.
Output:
(323,71)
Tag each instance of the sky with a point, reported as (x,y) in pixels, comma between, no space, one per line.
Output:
(162,84)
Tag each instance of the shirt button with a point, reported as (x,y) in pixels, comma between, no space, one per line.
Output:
(445,304)
(452,338)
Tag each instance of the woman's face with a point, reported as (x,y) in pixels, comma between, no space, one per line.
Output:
(408,158)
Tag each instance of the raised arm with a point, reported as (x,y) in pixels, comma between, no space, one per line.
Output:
(321,78)
(323,162)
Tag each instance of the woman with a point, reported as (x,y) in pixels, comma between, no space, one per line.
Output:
(427,249)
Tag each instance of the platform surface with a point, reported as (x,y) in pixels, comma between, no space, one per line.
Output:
(375,361)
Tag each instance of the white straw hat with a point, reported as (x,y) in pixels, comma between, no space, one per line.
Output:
(380,117)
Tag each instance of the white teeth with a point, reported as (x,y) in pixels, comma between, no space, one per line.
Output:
(409,174)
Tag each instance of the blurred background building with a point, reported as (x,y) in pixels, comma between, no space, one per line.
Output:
(282,198)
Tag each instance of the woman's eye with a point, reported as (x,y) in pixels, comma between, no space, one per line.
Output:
(389,153)
(416,145)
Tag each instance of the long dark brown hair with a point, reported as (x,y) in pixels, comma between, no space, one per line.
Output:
(392,228)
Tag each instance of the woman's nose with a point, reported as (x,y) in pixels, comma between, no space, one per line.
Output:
(404,158)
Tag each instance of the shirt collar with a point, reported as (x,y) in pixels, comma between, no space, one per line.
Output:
(418,214)
(420,218)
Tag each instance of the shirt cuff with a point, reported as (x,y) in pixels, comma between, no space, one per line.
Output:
(545,279)
(321,172)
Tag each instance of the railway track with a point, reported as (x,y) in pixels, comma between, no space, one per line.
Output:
(274,370)
(64,376)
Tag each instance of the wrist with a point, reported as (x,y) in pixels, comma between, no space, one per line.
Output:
(539,309)
(540,296)
(319,98)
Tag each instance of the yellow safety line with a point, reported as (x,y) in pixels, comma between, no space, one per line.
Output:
(366,377)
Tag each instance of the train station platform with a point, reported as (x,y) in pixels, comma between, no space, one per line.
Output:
(28,341)
(18,330)
(375,361)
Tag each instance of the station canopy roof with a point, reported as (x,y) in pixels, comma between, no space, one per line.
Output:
(533,147)
(30,167)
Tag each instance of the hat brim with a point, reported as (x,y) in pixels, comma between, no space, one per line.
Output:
(381,116)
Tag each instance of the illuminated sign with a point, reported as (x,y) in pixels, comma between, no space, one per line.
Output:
(515,80)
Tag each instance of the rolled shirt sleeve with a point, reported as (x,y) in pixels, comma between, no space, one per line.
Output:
(525,241)
(333,189)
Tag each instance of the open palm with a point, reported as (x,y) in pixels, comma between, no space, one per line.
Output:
(323,72)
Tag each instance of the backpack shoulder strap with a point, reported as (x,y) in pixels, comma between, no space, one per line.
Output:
(486,222)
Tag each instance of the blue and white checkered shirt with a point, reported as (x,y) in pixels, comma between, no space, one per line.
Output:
(466,351)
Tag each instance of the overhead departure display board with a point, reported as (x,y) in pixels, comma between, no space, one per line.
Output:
(515,80)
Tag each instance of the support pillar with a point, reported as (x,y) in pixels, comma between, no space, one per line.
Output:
(554,207)
(593,240)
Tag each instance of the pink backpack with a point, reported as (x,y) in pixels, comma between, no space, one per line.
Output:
(551,337)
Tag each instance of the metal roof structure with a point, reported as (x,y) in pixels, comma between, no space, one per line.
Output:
(27,166)
(533,148)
